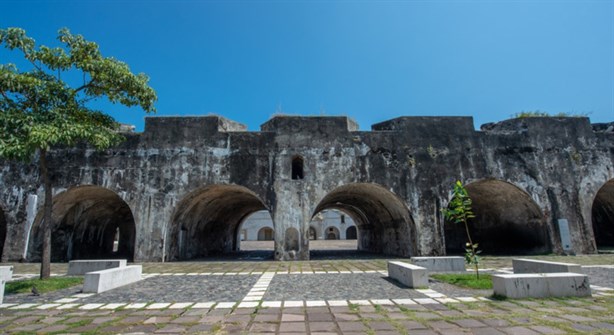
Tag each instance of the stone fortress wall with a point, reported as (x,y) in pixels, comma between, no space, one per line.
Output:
(181,189)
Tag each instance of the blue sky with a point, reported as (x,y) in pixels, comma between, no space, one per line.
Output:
(372,61)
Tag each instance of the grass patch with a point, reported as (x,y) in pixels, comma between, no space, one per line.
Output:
(466,280)
(46,285)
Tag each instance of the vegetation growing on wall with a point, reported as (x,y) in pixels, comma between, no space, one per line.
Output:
(538,113)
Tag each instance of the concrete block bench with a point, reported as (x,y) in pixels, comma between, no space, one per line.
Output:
(522,265)
(408,274)
(104,280)
(440,264)
(541,285)
(83,266)
(6,273)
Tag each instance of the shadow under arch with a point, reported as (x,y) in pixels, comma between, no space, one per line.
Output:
(507,221)
(603,216)
(3,229)
(87,220)
(207,221)
(384,222)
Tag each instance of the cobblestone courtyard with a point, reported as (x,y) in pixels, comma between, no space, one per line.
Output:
(350,296)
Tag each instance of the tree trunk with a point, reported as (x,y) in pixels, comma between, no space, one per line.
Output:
(47,224)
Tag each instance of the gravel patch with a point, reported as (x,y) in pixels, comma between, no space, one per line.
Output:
(337,287)
(600,276)
(180,289)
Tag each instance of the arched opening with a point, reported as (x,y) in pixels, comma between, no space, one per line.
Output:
(383,221)
(2,231)
(297,168)
(313,235)
(507,221)
(332,233)
(266,234)
(350,233)
(292,240)
(87,221)
(603,216)
(208,222)
(116,240)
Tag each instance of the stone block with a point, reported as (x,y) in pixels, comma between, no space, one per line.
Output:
(440,264)
(81,267)
(541,285)
(104,280)
(6,273)
(408,274)
(522,265)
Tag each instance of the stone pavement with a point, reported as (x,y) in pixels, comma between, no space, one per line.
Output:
(315,297)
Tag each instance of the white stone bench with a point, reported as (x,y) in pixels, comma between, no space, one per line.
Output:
(408,274)
(6,273)
(83,266)
(104,280)
(522,265)
(440,264)
(541,285)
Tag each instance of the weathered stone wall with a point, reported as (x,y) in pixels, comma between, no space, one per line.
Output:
(190,181)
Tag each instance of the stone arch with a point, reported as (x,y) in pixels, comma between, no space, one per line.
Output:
(86,219)
(266,234)
(332,233)
(3,229)
(351,233)
(507,221)
(383,220)
(207,221)
(603,216)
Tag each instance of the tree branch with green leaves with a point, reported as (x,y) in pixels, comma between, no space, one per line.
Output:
(39,110)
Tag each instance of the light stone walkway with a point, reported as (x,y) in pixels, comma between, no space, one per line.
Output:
(322,298)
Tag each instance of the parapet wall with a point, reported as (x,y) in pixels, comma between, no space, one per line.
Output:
(181,189)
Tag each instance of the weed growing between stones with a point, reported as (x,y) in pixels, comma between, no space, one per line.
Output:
(459,211)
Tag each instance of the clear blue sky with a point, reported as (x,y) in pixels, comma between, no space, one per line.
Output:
(372,61)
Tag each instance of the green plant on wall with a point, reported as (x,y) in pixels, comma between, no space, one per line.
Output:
(459,212)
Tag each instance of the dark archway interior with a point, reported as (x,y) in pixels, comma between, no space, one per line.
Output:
(207,221)
(297,168)
(507,221)
(351,233)
(603,216)
(86,219)
(2,231)
(384,223)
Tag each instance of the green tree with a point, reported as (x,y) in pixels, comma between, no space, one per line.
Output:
(41,108)
(459,211)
